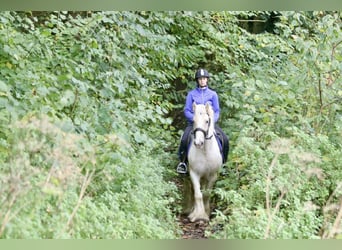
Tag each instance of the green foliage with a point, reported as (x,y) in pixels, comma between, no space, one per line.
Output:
(78,71)
(281,187)
(91,106)
(293,92)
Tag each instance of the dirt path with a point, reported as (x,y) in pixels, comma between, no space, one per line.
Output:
(192,230)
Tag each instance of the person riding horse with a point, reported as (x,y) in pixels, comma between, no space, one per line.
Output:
(202,94)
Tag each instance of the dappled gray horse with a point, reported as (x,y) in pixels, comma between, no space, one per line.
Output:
(205,160)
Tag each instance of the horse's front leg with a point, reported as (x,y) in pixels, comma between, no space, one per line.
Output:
(198,212)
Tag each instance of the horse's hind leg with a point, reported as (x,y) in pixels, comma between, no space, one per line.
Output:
(198,212)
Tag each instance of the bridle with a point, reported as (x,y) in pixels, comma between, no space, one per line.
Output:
(205,132)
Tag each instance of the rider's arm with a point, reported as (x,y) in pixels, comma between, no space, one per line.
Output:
(188,112)
(216,107)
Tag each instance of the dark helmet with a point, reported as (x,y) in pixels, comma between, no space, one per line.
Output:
(201,73)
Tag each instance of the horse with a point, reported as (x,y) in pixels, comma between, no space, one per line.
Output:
(204,160)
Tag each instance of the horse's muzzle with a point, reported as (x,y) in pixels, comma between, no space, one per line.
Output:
(198,143)
(199,140)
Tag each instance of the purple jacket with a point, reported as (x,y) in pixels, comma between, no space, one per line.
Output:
(201,96)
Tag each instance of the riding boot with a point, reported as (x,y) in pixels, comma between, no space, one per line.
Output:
(182,168)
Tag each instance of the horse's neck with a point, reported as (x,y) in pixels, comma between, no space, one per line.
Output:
(211,129)
(211,137)
(211,142)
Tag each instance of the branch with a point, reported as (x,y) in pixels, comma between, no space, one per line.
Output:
(333,55)
(5,221)
(268,198)
(320,93)
(251,20)
(325,233)
(268,182)
(85,184)
(334,48)
(7,216)
(337,222)
(276,209)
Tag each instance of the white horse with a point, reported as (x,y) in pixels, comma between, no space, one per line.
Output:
(204,159)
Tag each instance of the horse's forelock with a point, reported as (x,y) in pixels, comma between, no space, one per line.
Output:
(199,109)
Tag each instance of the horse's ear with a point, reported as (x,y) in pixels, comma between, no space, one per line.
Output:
(209,109)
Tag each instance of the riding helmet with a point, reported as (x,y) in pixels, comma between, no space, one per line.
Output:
(201,73)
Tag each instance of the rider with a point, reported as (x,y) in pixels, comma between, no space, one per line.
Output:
(202,94)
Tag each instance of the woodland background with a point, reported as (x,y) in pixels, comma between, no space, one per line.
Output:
(91,117)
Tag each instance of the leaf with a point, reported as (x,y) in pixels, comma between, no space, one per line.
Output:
(3,87)
(68,98)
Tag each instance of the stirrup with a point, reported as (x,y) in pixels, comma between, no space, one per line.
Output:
(182,168)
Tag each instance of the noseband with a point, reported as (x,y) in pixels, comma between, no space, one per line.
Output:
(203,131)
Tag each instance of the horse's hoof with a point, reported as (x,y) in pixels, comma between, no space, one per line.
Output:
(194,218)
(200,220)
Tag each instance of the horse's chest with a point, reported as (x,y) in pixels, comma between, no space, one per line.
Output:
(204,160)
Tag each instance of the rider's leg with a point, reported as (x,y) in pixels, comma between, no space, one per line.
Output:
(182,151)
(225,142)
(225,147)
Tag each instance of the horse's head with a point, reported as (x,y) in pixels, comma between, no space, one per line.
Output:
(202,123)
